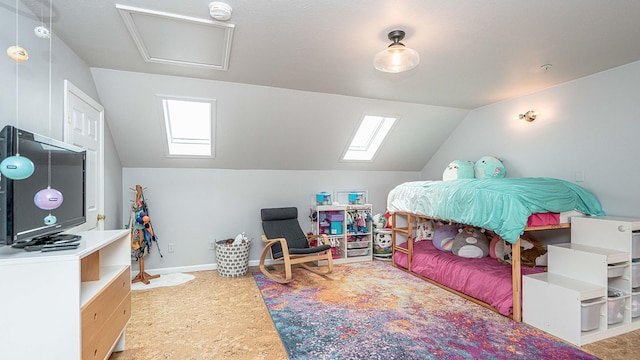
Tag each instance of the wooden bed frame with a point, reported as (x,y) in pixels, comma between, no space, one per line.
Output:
(516,280)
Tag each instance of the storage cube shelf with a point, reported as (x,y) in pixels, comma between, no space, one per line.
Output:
(588,292)
(351,240)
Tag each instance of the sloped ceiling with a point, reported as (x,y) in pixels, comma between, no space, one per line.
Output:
(473,53)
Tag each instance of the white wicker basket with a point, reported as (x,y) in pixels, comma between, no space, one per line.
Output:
(233,260)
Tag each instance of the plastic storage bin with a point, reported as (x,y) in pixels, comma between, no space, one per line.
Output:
(635,302)
(336,228)
(614,270)
(615,309)
(590,314)
(357,244)
(359,252)
(635,274)
(335,217)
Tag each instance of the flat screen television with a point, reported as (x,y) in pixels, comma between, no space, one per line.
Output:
(62,164)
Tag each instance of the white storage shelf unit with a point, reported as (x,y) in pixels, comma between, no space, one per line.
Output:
(573,300)
(350,243)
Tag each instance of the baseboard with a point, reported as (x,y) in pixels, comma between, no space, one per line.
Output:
(192,268)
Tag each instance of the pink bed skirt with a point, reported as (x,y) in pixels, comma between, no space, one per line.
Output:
(485,279)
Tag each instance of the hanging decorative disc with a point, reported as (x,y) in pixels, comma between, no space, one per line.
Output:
(17,167)
(18,54)
(50,220)
(48,199)
(41,32)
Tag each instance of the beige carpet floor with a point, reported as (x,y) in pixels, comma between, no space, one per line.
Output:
(213,317)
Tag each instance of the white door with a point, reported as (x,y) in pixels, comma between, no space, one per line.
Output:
(84,127)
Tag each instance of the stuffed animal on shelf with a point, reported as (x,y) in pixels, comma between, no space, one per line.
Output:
(425,229)
(388,218)
(459,169)
(489,167)
(470,242)
(443,236)
(379,221)
(532,251)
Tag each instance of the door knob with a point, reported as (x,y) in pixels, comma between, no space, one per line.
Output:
(101,217)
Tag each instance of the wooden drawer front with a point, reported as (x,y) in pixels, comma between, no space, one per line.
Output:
(98,310)
(101,345)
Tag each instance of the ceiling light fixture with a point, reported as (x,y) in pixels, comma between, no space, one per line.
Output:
(529,116)
(396,57)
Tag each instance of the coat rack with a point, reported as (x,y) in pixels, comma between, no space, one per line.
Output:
(141,235)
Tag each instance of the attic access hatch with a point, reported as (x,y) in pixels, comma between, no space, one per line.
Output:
(174,39)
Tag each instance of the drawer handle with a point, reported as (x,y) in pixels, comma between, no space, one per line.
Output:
(124,283)
(95,352)
(95,316)
(622,228)
(124,312)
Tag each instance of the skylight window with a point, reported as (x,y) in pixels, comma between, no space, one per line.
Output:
(189,127)
(369,137)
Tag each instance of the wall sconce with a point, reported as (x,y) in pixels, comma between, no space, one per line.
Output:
(529,116)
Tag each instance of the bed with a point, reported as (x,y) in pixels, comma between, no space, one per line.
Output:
(508,207)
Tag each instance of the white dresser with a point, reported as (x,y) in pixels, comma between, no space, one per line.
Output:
(71,304)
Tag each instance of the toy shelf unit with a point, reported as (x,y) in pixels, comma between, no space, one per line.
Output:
(349,228)
(592,288)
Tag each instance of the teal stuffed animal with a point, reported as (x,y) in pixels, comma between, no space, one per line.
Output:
(489,167)
(458,169)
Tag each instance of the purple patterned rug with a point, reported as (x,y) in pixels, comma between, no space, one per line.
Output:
(371,310)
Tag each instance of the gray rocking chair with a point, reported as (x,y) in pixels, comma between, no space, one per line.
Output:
(287,242)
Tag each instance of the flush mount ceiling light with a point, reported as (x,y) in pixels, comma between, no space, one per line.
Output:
(529,116)
(396,57)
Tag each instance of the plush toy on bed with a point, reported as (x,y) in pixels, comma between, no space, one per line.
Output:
(425,229)
(443,236)
(532,251)
(458,169)
(489,167)
(470,242)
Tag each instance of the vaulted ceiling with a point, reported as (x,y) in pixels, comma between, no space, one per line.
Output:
(300,73)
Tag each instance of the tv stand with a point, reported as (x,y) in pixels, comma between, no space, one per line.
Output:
(73,304)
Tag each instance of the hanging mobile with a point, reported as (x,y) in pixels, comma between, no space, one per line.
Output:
(50,220)
(48,198)
(17,167)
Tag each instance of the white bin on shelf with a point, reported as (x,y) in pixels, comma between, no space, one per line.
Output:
(590,313)
(614,270)
(635,302)
(635,246)
(615,309)
(635,274)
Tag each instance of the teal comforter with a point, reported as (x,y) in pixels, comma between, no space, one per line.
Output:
(501,205)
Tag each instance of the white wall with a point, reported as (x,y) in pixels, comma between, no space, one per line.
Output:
(590,124)
(191,207)
(32,91)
